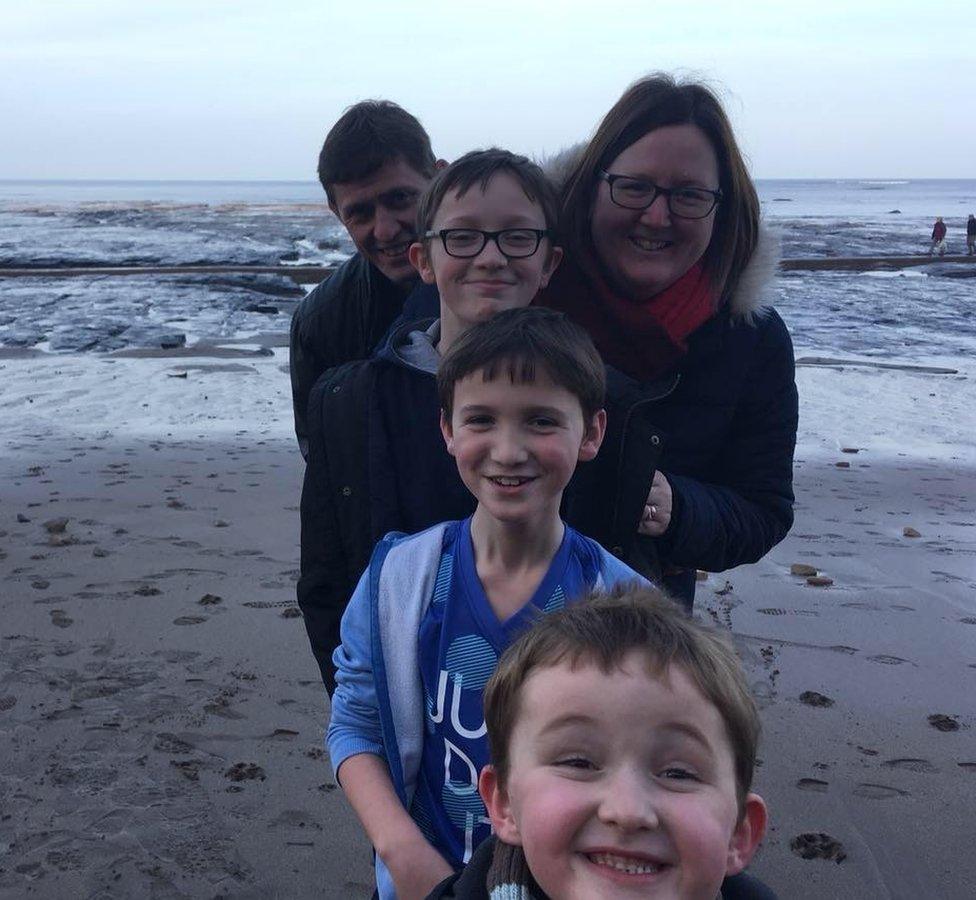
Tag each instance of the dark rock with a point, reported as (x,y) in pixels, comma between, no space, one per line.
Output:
(818,845)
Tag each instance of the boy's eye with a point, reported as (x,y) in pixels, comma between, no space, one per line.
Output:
(482,420)
(543,422)
(679,773)
(575,762)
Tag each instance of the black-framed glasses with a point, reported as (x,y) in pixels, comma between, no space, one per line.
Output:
(514,243)
(638,193)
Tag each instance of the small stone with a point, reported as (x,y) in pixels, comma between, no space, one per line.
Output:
(220,523)
(22,519)
(850,449)
(843,464)
(210,600)
(802,569)
(820,581)
(56,526)
(40,584)
(173,503)
(814,698)
(99,553)
(942,722)
(910,532)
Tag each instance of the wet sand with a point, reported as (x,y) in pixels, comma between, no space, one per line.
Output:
(161,715)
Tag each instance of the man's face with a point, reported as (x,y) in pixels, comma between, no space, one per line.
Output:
(379,213)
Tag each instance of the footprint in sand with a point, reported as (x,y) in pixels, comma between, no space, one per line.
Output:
(245,772)
(818,845)
(942,722)
(887,660)
(813,698)
(813,784)
(60,618)
(189,620)
(878,791)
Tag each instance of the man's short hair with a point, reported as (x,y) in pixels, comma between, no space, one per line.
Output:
(603,629)
(367,136)
(479,167)
(520,342)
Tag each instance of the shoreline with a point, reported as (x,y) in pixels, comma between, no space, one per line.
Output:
(164,744)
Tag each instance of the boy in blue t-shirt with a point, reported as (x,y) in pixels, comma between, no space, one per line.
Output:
(521,398)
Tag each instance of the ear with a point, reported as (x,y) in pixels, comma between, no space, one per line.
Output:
(419,259)
(499,807)
(747,835)
(552,263)
(447,430)
(593,436)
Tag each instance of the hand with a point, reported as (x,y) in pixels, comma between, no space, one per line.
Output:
(417,870)
(657,510)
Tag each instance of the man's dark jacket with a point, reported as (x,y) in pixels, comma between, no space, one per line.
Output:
(345,318)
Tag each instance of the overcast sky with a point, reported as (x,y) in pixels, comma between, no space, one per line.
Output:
(247,90)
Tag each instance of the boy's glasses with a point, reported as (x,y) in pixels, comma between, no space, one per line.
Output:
(514,243)
(684,202)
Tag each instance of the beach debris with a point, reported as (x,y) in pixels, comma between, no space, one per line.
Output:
(724,589)
(147,590)
(942,722)
(850,449)
(291,612)
(210,600)
(910,532)
(245,772)
(176,374)
(802,569)
(701,575)
(820,581)
(56,526)
(818,845)
(843,464)
(22,519)
(814,698)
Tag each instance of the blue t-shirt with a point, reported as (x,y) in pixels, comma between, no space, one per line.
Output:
(458,648)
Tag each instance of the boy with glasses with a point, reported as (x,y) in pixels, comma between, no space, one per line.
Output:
(376,460)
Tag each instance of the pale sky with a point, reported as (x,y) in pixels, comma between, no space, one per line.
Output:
(236,89)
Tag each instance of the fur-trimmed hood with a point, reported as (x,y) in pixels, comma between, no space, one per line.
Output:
(755,290)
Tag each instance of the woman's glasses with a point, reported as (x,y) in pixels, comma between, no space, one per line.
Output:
(684,202)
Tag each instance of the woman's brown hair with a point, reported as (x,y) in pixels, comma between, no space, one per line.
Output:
(655,102)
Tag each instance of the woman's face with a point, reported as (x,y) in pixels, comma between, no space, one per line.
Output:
(644,251)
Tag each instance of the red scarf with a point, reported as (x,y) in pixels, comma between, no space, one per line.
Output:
(642,338)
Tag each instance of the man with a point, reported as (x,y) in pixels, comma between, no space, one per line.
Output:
(374,164)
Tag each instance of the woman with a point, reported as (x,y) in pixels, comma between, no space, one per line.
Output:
(666,265)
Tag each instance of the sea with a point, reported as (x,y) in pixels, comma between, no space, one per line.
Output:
(919,315)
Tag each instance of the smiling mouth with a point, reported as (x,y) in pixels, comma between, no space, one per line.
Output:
(510,480)
(628,865)
(649,245)
(394,250)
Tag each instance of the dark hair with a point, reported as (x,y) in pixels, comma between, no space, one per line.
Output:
(654,102)
(519,342)
(366,137)
(602,630)
(479,167)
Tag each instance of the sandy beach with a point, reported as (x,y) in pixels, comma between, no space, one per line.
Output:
(161,715)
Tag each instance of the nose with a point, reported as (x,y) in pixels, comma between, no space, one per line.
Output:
(658,214)
(508,449)
(386,226)
(491,255)
(628,802)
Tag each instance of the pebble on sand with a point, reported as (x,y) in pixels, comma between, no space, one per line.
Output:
(942,722)
(843,464)
(802,569)
(56,526)
(820,581)
(910,532)
(814,698)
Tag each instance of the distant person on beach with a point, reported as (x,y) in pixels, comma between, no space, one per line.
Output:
(667,268)
(971,235)
(521,399)
(623,743)
(938,237)
(376,459)
(374,165)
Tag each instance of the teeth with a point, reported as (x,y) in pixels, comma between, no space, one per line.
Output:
(396,250)
(509,482)
(650,245)
(626,864)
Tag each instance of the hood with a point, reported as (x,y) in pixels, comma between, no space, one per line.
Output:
(413,345)
(755,290)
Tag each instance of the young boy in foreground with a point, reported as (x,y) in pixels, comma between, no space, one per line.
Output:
(521,399)
(376,459)
(623,740)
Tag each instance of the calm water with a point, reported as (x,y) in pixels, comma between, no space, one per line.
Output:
(919,315)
